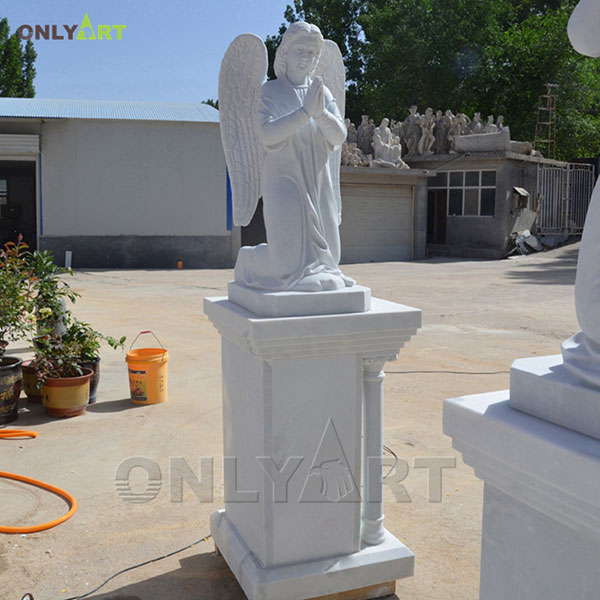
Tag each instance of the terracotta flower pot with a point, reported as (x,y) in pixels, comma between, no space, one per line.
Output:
(67,396)
(11,382)
(30,382)
(94,365)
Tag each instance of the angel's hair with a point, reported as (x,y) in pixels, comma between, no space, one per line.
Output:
(293,31)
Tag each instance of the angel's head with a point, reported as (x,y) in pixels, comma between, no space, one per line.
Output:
(299,51)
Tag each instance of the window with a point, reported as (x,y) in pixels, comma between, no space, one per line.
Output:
(440,180)
(470,193)
(455,203)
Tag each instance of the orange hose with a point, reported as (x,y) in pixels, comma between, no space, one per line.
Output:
(45,486)
(15,433)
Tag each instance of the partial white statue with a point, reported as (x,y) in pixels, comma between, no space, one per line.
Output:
(463,123)
(427,125)
(387,151)
(397,129)
(352,156)
(490,126)
(282,141)
(412,132)
(452,133)
(365,135)
(581,353)
(584,28)
(440,133)
(475,126)
(351,135)
(500,123)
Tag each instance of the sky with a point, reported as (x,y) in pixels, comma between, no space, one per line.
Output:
(170,50)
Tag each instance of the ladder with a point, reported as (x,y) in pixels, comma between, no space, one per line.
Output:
(545,128)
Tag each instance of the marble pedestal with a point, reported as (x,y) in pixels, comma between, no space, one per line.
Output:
(541,515)
(542,387)
(298,392)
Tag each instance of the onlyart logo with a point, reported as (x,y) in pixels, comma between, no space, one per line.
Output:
(84,31)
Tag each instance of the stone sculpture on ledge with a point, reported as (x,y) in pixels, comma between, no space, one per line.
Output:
(282,140)
(387,151)
(427,134)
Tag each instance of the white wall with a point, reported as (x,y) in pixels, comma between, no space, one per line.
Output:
(117,177)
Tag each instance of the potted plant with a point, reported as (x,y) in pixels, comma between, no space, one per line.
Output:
(89,341)
(16,321)
(65,384)
(52,292)
(68,367)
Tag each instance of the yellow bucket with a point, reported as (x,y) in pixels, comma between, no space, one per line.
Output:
(147,369)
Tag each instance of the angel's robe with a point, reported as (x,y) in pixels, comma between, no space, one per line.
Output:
(300,210)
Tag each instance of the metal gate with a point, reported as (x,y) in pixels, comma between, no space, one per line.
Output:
(564,194)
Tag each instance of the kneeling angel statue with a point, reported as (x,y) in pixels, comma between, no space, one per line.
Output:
(282,141)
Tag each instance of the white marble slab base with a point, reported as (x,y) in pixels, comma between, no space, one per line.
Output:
(372,565)
(541,515)
(542,387)
(354,299)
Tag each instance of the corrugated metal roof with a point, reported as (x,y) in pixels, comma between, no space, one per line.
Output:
(107,109)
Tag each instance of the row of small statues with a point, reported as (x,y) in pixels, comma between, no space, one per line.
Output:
(417,135)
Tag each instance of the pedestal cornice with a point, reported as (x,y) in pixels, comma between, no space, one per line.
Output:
(381,331)
(545,466)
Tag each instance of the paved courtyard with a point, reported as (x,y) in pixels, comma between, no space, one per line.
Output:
(478,316)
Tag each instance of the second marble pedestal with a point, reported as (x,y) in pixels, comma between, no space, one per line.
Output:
(541,513)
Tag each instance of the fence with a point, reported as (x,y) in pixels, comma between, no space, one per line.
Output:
(564,194)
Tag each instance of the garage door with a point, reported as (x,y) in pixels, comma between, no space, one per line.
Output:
(376,223)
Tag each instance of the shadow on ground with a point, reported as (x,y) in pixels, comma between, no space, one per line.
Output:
(112,406)
(560,271)
(31,413)
(34,413)
(200,577)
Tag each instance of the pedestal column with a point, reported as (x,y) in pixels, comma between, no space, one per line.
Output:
(372,531)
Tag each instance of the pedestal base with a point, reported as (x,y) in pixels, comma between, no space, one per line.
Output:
(542,387)
(355,299)
(369,568)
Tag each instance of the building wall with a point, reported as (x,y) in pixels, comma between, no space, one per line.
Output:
(383,215)
(135,193)
(486,236)
(524,175)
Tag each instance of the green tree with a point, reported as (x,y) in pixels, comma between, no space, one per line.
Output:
(29,70)
(17,70)
(492,56)
(211,102)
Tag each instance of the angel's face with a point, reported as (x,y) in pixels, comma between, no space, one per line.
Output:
(302,56)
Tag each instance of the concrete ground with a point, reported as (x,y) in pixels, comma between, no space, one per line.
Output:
(478,316)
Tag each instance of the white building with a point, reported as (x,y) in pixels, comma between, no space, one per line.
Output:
(120,184)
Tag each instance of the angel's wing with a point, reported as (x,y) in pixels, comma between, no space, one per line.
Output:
(331,69)
(243,71)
